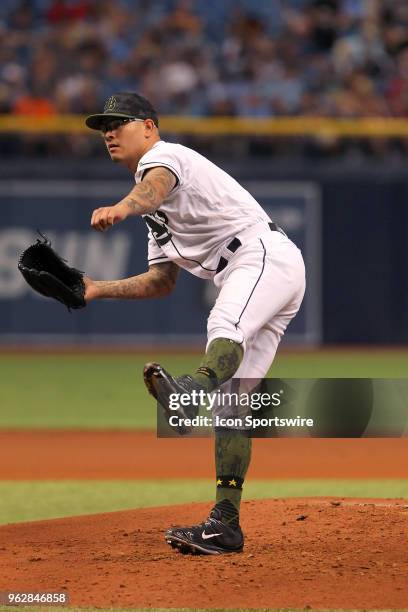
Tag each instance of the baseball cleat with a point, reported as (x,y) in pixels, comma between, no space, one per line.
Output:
(162,385)
(212,537)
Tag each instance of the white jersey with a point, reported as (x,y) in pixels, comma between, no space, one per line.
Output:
(205,210)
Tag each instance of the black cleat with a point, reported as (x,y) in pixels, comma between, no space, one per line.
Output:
(212,537)
(161,385)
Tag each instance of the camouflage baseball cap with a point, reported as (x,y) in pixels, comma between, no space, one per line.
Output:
(126,105)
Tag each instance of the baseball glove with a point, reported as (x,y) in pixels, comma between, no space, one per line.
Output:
(47,273)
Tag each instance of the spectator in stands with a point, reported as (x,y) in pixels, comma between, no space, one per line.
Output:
(315,57)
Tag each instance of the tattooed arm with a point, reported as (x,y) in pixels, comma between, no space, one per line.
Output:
(158,281)
(144,198)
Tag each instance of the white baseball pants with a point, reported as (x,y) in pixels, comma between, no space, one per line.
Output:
(261,290)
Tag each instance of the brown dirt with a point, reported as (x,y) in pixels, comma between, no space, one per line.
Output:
(342,554)
(26,455)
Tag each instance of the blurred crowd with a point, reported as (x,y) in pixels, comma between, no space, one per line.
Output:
(262,58)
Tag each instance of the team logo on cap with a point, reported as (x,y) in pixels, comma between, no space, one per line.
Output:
(110,104)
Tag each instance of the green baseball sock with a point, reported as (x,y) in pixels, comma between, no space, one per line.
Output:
(232,458)
(219,364)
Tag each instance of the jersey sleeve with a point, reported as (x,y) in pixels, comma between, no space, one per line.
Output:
(155,254)
(163,156)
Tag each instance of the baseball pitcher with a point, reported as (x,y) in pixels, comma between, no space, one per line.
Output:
(200,219)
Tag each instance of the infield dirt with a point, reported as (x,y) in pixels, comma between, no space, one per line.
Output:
(322,553)
(317,552)
(71,454)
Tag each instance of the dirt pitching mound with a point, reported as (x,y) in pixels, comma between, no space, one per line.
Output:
(323,553)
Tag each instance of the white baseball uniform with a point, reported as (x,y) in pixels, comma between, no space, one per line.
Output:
(263,279)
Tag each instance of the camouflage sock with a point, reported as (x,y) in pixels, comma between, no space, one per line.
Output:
(219,364)
(232,458)
(229,513)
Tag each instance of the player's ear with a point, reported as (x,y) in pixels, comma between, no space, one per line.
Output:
(149,127)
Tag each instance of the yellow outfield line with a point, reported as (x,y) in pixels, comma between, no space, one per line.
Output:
(365,127)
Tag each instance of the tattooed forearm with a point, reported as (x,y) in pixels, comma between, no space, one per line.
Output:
(157,282)
(147,196)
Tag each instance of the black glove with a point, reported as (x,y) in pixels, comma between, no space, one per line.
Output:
(46,272)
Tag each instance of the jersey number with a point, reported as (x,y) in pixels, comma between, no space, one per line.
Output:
(158,227)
